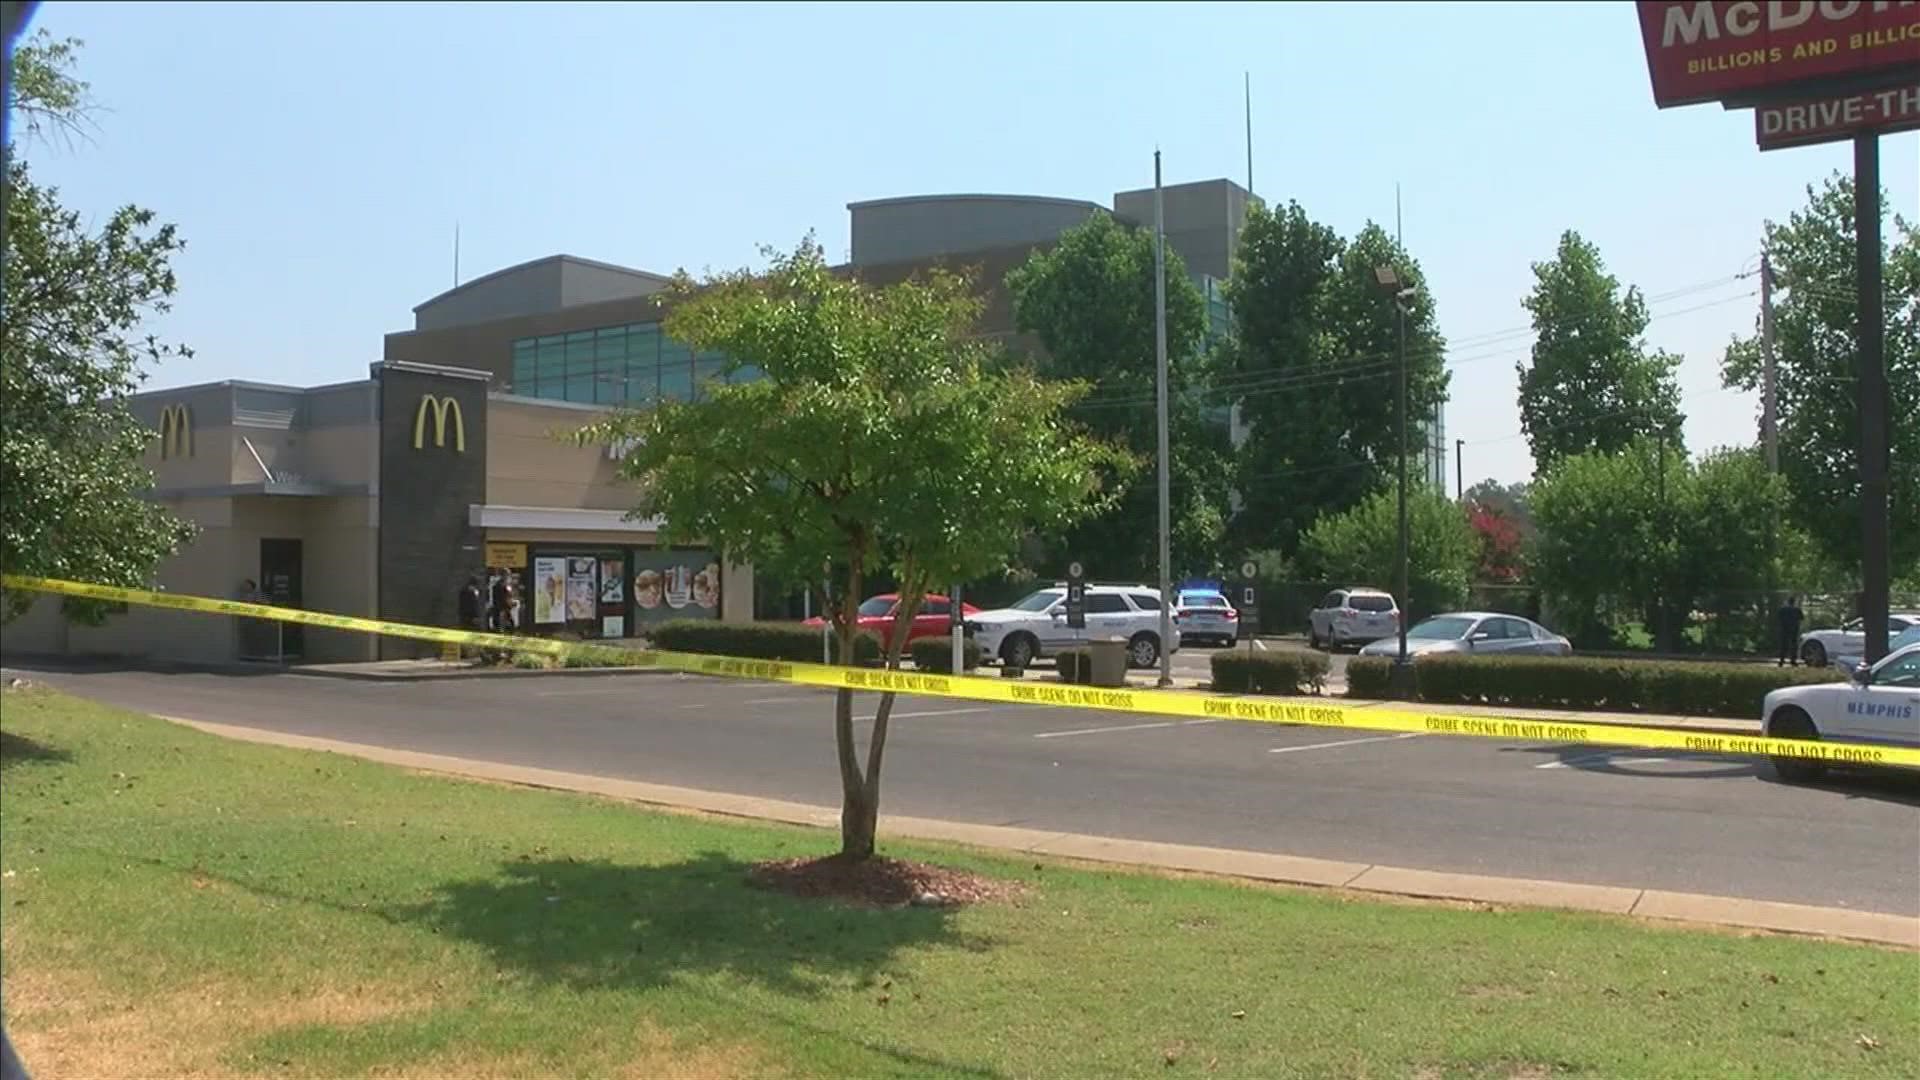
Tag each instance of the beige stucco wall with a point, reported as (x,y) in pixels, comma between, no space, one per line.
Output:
(528,464)
(202,568)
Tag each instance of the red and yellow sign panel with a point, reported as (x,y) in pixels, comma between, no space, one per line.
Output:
(1707,50)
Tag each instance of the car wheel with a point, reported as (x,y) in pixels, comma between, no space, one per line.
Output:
(1814,654)
(1313,636)
(1793,723)
(1018,651)
(1143,651)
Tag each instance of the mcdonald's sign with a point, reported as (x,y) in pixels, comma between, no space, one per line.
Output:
(442,408)
(176,432)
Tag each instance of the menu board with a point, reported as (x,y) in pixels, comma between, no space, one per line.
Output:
(582,596)
(675,585)
(549,590)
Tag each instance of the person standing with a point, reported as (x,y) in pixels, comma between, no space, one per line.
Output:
(502,604)
(1789,617)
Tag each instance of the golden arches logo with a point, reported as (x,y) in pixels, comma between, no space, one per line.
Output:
(442,408)
(176,432)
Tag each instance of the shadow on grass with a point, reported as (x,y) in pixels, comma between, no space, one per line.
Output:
(16,749)
(602,925)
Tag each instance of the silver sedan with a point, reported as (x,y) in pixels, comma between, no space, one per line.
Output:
(1480,633)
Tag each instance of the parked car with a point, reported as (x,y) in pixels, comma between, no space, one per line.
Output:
(877,613)
(1848,645)
(1205,615)
(1879,704)
(1036,625)
(1353,617)
(1481,633)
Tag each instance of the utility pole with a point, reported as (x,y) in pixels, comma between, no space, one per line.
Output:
(1406,596)
(1160,357)
(1459,474)
(1769,401)
(1874,454)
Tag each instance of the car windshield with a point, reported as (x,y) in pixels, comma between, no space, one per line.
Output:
(1447,627)
(879,605)
(1197,599)
(1371,603)
(1039,601)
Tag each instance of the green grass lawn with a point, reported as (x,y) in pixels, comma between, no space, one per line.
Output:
(173,903)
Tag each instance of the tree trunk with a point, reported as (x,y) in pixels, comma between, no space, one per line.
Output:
(857,812)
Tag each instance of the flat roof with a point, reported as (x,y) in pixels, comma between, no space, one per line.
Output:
(904,200)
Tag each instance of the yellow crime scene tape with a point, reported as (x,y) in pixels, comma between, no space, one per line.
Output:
(1184,703)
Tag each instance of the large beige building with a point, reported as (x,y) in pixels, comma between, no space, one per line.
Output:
(382,497)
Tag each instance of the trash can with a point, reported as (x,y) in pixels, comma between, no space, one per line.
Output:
(1108,660)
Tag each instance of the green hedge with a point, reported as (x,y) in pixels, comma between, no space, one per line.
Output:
(756,640)
(1275,672)
(936,654)
(1369,677)
(1074,665)
(1688,688)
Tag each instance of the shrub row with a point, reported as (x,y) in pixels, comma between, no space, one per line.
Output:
(936,654)
(756,640)
(1279,672)
(1681,687)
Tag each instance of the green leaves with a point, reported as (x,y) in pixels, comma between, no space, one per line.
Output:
(1591,383)
(1315,369)
(1361,547)
(73,488)
(1090,302)
(1816,348)
(1633,533)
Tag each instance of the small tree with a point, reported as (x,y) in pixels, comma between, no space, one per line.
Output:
(1361,547)
(878,436)
(72,484)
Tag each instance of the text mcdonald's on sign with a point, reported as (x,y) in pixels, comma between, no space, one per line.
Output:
(1703,50)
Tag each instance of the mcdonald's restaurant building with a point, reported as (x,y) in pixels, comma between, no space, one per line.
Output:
(381,498)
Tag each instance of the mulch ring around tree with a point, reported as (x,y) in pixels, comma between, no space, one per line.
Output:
(879,882)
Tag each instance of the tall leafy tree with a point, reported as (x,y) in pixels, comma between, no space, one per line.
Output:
(1315,364)
(1816,352)
(880,437)
(1591,383)
(1646,534)
(1360,546)
(1090,302)
(72,481)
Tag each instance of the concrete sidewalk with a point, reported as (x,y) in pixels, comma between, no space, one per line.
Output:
(1731,912)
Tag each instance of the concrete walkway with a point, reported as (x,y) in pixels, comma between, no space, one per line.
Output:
(1282,869)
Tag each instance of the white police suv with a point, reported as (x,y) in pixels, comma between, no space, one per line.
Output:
(1036,625)
(1880,704)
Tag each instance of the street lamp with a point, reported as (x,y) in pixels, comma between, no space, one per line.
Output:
(1403,293)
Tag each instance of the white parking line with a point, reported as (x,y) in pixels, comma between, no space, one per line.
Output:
(937,712)
(1344,742)
(1126,729)
(1258,644)
(1565,763)
(786,700)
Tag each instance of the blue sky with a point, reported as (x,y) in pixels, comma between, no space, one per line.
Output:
(316,157)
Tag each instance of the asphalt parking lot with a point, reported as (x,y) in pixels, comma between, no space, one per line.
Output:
(1552,811)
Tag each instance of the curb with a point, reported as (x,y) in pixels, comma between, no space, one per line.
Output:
(472,673)
(1651,904)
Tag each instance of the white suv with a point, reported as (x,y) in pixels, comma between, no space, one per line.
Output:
(1353,617)
(1036,626)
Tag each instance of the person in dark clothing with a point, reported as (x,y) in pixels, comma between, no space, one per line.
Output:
(1790,617)
(472,606)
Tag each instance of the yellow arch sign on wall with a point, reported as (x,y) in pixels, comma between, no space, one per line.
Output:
(176,432)
(442,408)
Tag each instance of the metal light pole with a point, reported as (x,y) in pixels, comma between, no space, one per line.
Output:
(1402,293)
(1160,378)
